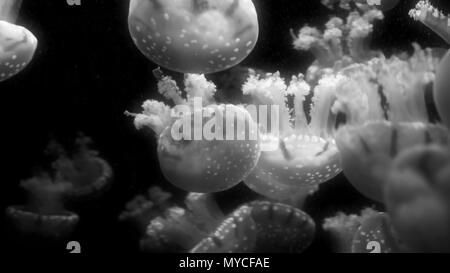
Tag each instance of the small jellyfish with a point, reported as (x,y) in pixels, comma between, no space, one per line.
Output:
(342,227)
(194,36)
(44,215)
(194,160)
(89,174)
(281,228)
(17,44)
(145,207)
(296,157)
(432,18)
(369,232)
(418,198)
(441,90)
(376,235)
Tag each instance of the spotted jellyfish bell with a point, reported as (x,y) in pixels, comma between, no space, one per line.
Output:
(432,18)
(17,44)
(194,36)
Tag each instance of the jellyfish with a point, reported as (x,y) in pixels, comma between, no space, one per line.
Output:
(418,197)
(17,44)
(85,169)
(433,18)
(296,157)
(198,226)
(281,228)
(44,215)
(195,36)
(261,226)
(441,90)
(368,150)
(369,232)
(145,207)
(341,43)
(192,160)
(376,235)
(391,116)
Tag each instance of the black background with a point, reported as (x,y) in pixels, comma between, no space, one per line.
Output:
(87,71)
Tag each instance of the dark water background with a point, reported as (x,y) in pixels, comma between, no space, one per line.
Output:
(87,71)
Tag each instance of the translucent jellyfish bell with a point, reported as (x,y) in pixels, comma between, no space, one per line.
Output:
(442,90)
(17,44)
(199,36)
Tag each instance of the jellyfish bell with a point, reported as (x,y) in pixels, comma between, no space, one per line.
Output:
(17,44)
(418,198)
(209,165)
(441,90)
(367,151)
(281,228)
(198,36)
(202,146)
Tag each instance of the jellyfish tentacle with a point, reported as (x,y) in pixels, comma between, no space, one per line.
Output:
(432,18)
(9,9)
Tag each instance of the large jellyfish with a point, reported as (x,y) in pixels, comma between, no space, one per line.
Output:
(297,157)
(17,44)
(368,147)
(194,36)
(192,160)
(418,198)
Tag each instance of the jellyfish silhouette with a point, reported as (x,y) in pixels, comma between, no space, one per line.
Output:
(195,36)
(17,44)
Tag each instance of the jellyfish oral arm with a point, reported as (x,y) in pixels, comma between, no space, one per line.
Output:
(9,9)
(432,18)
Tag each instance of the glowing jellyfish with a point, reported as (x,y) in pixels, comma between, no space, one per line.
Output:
(442,90)
(89,174)
(195,36)
(44,215)
(386,128)
(296,157)
(418,198)
(281,228)
(17,44)
(432,18)
(192,160)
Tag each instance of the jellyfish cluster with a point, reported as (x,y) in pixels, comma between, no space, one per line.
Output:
(199,225)
(355,112)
